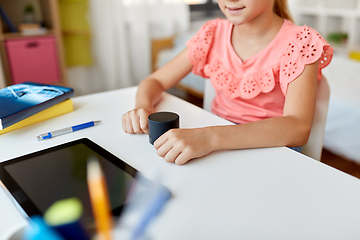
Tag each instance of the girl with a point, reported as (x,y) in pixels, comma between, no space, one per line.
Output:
(264,69)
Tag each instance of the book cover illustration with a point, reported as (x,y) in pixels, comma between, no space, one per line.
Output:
(20,101)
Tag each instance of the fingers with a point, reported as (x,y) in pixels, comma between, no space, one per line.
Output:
(165,149)
(123,123)
(172,148)
(127,123)
(144,123)
(172,154)
(135,121)
(176,145)
(161,140)
(182,159)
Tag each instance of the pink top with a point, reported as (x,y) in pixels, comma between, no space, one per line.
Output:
(255,89)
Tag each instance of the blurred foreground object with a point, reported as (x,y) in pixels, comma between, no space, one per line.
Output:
(146,200)
(39,230)
(64,216)
(99,199)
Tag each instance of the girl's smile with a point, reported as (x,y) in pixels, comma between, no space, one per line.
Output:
(244,11)
(234,10)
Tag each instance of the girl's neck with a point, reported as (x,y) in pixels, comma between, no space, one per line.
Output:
(259,27)
(251,37)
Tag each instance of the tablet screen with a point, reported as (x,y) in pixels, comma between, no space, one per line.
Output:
(39,179)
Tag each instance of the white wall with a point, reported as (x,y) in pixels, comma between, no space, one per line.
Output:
(292,7)
(143,22)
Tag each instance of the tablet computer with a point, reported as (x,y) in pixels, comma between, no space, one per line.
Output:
(39,179)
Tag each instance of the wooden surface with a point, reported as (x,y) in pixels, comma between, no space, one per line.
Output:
(156,46)
(55,18)
(342,164)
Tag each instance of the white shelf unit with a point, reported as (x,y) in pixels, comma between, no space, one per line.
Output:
(332,16)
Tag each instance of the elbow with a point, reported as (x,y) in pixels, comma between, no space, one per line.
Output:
(300,136)
(304,137)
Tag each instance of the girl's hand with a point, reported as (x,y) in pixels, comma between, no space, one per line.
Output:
(136,121)
(180,145)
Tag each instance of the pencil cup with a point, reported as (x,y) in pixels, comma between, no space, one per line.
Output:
(161,122)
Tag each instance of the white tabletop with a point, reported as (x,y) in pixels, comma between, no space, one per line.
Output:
(272,193)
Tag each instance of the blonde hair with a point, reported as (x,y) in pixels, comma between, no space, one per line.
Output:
(282,10)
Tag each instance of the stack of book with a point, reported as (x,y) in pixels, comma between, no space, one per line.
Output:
(27,29)
(28,103)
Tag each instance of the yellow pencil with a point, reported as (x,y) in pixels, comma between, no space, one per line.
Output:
(99,199)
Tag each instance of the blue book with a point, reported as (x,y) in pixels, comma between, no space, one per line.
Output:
(23,100)
(7,20)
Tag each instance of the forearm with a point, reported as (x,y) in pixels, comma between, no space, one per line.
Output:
(150,89)
(148,93)
(181,145)
(274,132)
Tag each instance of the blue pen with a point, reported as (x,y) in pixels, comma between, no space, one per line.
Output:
(66,130)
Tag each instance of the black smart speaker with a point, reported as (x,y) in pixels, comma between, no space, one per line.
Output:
(161,122)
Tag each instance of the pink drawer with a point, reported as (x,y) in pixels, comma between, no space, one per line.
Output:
(33,59)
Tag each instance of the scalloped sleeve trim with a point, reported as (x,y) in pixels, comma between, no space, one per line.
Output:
(199,46)
(306,48)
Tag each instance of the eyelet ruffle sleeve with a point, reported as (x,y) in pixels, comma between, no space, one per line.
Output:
(199,46)
(306,48)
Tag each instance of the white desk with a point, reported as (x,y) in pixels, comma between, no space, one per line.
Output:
(272,193)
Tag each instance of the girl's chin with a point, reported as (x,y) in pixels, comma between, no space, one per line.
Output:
(235,21)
